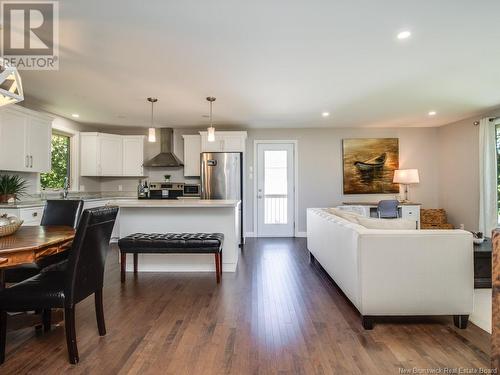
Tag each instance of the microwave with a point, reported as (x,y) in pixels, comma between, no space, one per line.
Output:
(192,190)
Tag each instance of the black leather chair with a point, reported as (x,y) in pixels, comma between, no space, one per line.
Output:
(64,287)
(56,212)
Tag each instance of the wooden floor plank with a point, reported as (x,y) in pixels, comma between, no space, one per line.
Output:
(278,314)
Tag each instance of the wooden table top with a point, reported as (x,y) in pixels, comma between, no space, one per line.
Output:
(35,238)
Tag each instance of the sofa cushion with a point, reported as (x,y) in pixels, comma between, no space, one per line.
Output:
(374,223)
(347,215)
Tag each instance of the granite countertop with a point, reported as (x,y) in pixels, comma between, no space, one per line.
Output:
(40,203)
(166,203)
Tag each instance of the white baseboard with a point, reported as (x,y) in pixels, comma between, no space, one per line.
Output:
(253,234)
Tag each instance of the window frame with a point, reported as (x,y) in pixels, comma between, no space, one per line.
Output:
(70,169)
(74,146)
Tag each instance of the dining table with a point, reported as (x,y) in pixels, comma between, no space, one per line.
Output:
(31,243)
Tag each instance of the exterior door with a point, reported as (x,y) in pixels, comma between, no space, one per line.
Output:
(275,190)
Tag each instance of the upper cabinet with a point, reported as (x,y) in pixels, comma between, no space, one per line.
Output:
(192,150)
(194,144)
(133,155)
(225,141)
(25,140)
(111,155)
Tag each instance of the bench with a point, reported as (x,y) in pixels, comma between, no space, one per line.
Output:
(171,243)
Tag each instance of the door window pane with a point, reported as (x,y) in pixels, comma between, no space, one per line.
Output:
(275,187)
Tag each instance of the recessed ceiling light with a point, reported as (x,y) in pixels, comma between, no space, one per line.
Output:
(404,34)
(432,113)
(75,115)
(325,114)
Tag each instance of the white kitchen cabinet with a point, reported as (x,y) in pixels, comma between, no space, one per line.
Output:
(111,155)
(39,144)
(192,150)
(225,141)
(25,140)
(13,156)
(31,216)
(133,155)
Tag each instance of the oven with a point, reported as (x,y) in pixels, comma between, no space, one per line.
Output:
(165,190)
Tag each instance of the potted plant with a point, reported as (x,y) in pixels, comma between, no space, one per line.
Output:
(167,177)
(11,187)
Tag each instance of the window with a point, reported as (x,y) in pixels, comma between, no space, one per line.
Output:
(275,187)
(60,163)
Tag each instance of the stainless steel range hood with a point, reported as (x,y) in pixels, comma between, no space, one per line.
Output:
(166,157)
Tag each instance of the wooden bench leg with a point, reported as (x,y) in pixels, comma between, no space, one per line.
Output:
(123,263)
(220,261)
(217,267)
(136,261)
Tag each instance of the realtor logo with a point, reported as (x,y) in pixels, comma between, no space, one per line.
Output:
(30,34)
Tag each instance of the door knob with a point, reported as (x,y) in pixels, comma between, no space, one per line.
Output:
(259,196)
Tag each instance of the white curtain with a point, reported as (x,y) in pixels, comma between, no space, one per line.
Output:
(488,211)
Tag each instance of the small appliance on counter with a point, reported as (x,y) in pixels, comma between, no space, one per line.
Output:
(166,190)
(192,190)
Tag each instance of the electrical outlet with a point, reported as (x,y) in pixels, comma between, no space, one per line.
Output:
(120,187)
(82,187)
(462,226)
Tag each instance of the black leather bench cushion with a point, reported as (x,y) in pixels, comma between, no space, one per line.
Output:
(171,243)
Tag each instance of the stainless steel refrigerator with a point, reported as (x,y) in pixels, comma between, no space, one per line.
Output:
(222,178)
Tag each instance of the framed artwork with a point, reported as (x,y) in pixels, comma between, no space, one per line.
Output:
(369,165)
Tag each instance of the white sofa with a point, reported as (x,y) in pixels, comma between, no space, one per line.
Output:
(395,272)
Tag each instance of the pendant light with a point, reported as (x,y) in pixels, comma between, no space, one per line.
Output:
(211,129)
(152,130)
(11,88)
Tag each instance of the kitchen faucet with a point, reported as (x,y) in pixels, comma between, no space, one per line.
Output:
(65,188)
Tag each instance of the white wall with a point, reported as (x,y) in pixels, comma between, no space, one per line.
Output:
(459,171)
(320,165)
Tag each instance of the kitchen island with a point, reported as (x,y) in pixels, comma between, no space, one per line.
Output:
(183,215)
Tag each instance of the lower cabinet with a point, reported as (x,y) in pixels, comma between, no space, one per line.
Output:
(31,216)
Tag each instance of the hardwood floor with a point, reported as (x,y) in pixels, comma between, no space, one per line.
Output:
(277,315)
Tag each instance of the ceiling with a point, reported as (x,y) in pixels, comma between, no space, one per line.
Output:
(273,63)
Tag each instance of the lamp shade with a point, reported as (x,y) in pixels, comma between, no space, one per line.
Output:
(406,176)
(11,88)
(151,135)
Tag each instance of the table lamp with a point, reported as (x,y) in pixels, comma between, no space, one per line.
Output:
(406,177)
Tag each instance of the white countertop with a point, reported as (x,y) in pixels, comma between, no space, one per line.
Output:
(161,203)
(41,203)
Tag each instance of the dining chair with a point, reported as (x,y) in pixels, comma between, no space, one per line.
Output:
(56,212)
(388,209)
(64,287)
